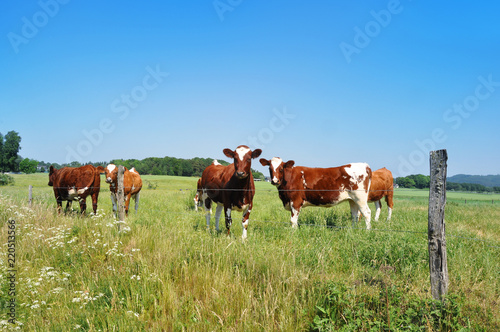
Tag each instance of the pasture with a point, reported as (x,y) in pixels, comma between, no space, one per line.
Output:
(165,271)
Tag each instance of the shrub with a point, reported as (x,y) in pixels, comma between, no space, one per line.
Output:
(344,310)
(6,179)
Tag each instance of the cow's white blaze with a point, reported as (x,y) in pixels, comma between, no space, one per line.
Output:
(275,163)
(357,171)
(242,151)
(110,167)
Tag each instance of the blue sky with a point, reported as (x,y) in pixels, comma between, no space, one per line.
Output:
(324,83)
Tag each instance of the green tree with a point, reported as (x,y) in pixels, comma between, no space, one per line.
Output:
(421,181)
(405,182)
(28,166)
(11,149)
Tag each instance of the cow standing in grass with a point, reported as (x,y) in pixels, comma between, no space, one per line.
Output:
(132,185)
(382,186)
(299,187)
(76,183)
(197,196)
(230,187)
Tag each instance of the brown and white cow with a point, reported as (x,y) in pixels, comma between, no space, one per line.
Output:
(132,185)
(76,183)
(382,186)
(299,186)
(197,196)
(230,187)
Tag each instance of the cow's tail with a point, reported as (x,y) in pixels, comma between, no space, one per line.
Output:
(369,172)
(91,184)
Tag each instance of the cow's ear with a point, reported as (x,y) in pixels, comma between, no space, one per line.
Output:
(100,169)
(229,153)
(256,153)
(264,162)
(289,164)
(51,169)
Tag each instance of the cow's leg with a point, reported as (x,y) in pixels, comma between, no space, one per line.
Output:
(59,205)
(83,205)
(229,220)
(365,211)
(390,204)
(137,196)
(378,208)
(295,211)
(68,205)
(218,212)
(95,198)
(244,222)
(207,204)
(115,204)
(354,212)
(127,203)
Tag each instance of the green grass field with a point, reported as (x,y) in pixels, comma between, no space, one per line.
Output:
(165,271)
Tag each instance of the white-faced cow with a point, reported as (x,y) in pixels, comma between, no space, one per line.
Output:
(299,187)
(382,186)
(132,185)
(230,187)
(76,183)
(197,196)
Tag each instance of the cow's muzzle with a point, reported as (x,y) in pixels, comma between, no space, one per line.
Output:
(241,175)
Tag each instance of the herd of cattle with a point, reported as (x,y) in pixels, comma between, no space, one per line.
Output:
(232,187)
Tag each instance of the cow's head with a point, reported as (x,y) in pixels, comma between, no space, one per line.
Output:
(111,173)
(52,175)
(277,169)
(242,159)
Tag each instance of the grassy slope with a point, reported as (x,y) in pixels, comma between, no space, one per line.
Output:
(169,272)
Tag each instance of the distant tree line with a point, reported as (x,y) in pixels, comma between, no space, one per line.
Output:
(158,166)
(420,181)
(173,166)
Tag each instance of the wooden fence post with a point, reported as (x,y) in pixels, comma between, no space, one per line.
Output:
(436,232)
(120,197)
(30,197)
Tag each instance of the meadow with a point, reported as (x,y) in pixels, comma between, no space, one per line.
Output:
(164,271)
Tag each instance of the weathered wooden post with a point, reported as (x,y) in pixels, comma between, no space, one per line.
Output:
(436,232)
(30,196)
(120,197)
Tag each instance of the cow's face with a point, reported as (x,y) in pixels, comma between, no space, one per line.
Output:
(242,157)
(111,173)
(52,175)
(277,169)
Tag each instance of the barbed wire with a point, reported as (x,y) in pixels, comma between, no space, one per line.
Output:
(344,227)
(254,190)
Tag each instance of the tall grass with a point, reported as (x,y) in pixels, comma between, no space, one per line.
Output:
(165,271)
